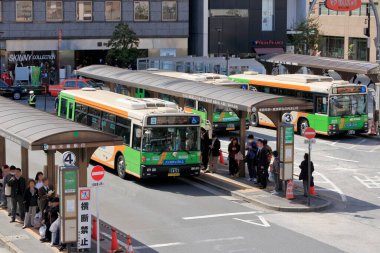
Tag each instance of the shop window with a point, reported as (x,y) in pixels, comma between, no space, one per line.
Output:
(54,11)
(24,11)
(169,10)
(113,10)
(84,10)
(141,10)
(332,46)
(241,13)
(267,15)
(357,49)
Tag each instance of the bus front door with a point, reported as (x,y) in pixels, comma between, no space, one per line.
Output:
(70,110)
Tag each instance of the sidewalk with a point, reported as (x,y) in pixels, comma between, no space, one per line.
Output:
(241,188)
(18,240)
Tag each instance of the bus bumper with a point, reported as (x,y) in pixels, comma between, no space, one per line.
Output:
(228,126)
(150,171)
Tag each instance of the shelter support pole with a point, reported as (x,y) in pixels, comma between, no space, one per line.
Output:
(83,159)
(210,112)
(181,102)
(242,132)
(50,167)
(131,91)
(3,153)
(25,162)
(111,85)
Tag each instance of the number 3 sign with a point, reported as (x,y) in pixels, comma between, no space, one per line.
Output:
(287,118)
(68,158)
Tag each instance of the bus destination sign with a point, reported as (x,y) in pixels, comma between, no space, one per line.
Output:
(173,120)
(349,89)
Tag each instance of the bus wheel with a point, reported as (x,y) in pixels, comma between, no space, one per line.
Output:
(302,125)
(120,166)
(254,119)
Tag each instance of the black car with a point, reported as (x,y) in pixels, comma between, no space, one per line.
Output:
(15,92)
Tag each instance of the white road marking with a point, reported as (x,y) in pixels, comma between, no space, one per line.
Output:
(336,188)
(360,142)
(341,159)
(217,215)
(171,244)
(262,223)
(221,239)
(369,182)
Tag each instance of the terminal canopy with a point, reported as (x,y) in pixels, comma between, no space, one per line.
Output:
(37,130)
(237,99)
(324,63)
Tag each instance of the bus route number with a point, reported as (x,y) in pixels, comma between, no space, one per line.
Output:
(287,118)
(68,158)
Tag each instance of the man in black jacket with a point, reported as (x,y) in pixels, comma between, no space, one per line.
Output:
(17,182)
(262,163)
(205,148)
(214,154)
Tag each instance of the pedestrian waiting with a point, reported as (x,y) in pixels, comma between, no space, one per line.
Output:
(205,148)
(17,182)
(30,201)
(233,150)
(214,154)
(275,170)
(304,175)
(8,189)
(251,148)
(263,160)
(39,180)
(4,173)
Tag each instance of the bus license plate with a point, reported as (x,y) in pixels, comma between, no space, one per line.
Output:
(230,127)
(351,131)
(173,172)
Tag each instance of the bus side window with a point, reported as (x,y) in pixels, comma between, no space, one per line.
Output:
(321,104)
(123,129)
(190,103)
(136,138)
(63,108)
(93,118)
(108,123)
(81,114)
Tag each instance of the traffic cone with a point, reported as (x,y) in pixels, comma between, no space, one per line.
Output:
(289,190)
(221,158)
(129,245)
(94,235)
(312,191)
(114,242)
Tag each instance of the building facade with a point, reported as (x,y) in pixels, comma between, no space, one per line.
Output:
(343,33)
(240,27)
(73,32)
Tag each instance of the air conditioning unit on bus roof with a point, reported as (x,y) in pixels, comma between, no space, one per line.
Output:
(250,73)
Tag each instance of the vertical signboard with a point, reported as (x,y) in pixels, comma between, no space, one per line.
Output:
(286,151)
(68,203)
(84,218)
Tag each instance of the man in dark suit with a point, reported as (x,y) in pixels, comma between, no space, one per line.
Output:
(262,163)
(214,154)
(43,194)
(18,184)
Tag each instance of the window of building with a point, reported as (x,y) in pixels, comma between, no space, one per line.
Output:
(24,11)
(113,10)
(241,13)
(332,46)
(141,10)
(362,11)
(84,10)
(357,49)
(54,11)
(169,10)
(267,15)
(323,9)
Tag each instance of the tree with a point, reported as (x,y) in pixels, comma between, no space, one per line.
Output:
(123,45)
(307,37)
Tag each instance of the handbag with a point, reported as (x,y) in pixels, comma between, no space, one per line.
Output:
(42,231)
(8,190)
(37,220)
(54,226)
(239,156)
(271,177)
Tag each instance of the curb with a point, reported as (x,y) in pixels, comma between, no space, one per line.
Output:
(265,205)
(10,246)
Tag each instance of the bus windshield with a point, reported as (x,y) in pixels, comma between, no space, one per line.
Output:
(348,105)
(166,139)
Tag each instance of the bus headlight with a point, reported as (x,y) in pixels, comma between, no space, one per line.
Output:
(195,168)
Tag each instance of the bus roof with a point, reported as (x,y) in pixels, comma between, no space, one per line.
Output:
(207,78)
(303,82)
(122,105)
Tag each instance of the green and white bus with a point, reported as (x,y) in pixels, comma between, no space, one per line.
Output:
(224,119)
(159,138)
(339,107)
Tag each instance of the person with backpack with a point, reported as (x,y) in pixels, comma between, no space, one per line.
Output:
(251,148)
(304,175)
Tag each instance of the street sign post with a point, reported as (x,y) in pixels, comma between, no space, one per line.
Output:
(84,218)
(310,135)
(97,175)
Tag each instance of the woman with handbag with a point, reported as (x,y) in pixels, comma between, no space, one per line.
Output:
(233,150)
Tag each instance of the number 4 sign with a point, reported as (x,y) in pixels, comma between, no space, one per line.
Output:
(68,158)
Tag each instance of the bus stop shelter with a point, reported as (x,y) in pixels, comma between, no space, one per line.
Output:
(319,65)
(36,130)
(241,101)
